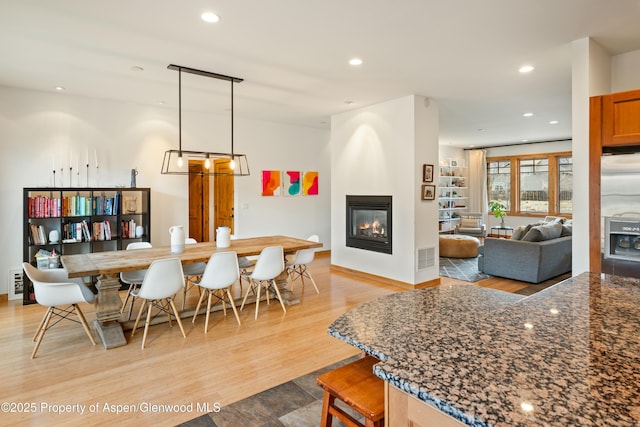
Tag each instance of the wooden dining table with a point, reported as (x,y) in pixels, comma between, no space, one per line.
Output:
(107,266)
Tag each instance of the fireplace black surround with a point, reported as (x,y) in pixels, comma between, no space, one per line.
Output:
(369,223)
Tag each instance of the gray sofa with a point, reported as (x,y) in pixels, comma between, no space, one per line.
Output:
(526,261)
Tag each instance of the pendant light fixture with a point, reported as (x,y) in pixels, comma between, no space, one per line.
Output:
(176,162)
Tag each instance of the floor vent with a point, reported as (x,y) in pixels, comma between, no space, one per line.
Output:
(15,284)
(426,258)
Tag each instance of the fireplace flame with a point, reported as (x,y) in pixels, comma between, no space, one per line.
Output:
(371,229)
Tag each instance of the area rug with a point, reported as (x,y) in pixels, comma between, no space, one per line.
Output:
(462,269)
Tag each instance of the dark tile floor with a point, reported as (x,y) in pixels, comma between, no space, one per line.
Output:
(297,403)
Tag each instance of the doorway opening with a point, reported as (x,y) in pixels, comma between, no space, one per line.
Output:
(203,189)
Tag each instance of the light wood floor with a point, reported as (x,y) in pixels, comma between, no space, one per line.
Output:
(229,363)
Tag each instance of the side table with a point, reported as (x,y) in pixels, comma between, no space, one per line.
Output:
(502,231)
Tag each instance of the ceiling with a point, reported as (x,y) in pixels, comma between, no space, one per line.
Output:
(293,56)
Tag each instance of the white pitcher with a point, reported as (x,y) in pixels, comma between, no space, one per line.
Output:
(177,238)
(223,237)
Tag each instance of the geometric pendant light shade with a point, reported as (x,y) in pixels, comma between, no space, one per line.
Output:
(176,162)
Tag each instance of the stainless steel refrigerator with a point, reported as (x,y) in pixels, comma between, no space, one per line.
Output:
(620,211)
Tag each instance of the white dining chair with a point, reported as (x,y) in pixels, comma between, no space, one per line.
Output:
(133,278)
(55,290)
(220,274)
(163,280)
(192,272)
(297,267)
(269,265)
(245,263)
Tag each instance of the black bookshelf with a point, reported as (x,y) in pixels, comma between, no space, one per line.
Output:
(87,220)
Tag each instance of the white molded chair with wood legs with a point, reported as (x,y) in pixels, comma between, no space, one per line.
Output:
(220,274)
(133,278)
(192,272)
(163,280)
(54,289)
(297,267)
(245,263)
(269,265)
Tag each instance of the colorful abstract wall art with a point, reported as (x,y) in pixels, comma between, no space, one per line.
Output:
(271,183)
(292,183)
(310,184)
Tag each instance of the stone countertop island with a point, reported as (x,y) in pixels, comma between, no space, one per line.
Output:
(566,356)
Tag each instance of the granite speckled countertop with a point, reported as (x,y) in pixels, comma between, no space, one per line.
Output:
(566,356)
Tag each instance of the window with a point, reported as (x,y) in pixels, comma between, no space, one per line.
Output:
(542,183)
(565,185)
(499,181)
(534,186)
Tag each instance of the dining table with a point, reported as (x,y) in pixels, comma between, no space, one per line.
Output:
(108,265)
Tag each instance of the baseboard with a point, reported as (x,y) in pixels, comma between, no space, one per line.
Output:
(385,280)
(4,297)
(323,253)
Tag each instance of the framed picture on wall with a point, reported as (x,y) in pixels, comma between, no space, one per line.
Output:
(428,192)
(427,173)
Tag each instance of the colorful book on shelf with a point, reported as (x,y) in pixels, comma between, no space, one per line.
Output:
(98,231)
(107,230)
(116,204)
(85,231)
(38,236)
(43,207)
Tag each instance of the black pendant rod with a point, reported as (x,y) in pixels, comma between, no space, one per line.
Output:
(232,120)
(180,112)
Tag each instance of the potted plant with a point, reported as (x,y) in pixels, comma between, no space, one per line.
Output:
(498,210)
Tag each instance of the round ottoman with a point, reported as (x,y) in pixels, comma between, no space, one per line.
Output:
(458,246)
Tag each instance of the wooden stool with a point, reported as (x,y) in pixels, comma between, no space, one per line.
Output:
(357,386)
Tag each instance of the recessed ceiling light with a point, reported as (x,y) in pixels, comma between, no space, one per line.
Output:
(60,88)
(553,122)
(355,61)
(161,102)
(137,68)
(525,140)
(348,102)
(209,17)
(527,115)
(526,69)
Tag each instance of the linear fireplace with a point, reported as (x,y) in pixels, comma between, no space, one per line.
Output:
(369,223)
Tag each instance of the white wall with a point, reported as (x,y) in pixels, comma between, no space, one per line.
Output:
(624,71)
(448,152)
(380,150)
(590,77)
(36,126)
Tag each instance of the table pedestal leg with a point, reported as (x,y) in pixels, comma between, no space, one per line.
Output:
(108,312)
(282,282)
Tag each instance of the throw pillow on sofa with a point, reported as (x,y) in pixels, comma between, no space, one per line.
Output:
(469,223)
(520,231)
(540,233)
(553,219)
